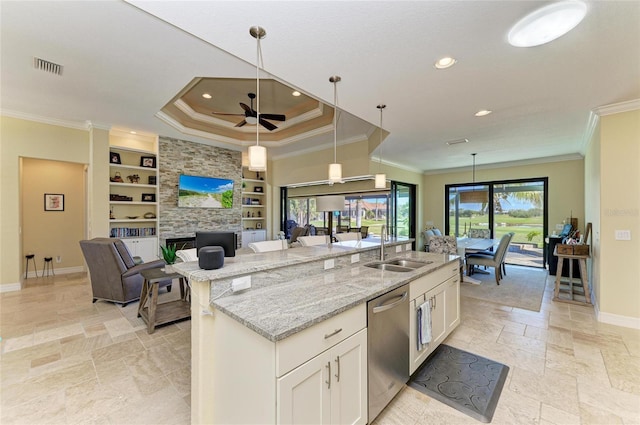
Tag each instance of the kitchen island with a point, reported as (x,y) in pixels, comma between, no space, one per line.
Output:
(255,353)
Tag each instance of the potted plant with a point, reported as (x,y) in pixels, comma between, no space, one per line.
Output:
(169,255)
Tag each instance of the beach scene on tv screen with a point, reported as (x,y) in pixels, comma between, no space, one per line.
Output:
(205,192)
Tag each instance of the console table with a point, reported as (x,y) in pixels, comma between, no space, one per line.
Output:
(154,314)
(575,289)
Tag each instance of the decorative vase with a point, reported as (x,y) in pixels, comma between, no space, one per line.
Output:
(168,268)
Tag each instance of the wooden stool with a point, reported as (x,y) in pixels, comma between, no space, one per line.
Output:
(154,314)
(575,289)
(48,264)
(26,269)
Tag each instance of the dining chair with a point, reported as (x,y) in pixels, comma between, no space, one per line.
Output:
(479,233)
(342,229)
(317,240)
(267,246)
(491,259)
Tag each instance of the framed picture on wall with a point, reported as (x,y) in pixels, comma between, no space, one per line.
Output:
(53,202)
(148,197)
(148,161)
(258,225)
(114,158)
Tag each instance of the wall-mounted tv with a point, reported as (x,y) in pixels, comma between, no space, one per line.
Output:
(204,192)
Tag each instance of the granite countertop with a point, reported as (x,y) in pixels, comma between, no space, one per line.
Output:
(255,262)
(284,308)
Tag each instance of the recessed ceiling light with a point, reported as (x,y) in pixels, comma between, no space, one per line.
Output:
(206,95)
(296,93)
(547,23)
(445,62)
(133,132)
(483,112)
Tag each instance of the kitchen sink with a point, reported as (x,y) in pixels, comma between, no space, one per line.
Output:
(412,264)
(398,265)
(389,267)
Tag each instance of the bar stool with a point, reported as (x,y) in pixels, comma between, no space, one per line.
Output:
(48,264)
(26,269)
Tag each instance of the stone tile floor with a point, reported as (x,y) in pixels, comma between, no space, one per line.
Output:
(65,360)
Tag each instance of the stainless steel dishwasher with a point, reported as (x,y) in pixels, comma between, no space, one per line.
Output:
(388,347)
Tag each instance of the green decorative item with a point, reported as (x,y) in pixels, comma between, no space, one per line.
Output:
(169,253)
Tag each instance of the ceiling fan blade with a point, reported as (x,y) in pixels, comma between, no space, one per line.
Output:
(224,113)
(241,123)
(267,125)
(245,107)
(274,117)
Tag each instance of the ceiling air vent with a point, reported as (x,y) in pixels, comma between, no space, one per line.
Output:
(46,66)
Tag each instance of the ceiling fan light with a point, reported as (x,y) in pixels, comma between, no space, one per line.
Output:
(547,23)
(251,120)
(257,158)
(380,181)
(335,173)
(483,112)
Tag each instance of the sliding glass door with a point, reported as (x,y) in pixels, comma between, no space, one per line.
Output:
(403,210)
(518,206)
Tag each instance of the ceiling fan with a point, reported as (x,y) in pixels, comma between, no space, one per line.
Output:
(251,116)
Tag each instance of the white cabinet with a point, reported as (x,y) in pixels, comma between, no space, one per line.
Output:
(328,389)
(444,297)
(145,248)
(249,236)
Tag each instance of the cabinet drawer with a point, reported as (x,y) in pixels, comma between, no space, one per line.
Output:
(431,280)
(304,345)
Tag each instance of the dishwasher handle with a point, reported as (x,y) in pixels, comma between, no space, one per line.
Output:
(384,307)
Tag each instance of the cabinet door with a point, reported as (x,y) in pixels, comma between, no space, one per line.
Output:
(145,248)
(349,380)
(437,316)
(451,304)
(304,393)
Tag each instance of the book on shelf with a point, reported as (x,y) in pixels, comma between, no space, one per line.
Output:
(132,232)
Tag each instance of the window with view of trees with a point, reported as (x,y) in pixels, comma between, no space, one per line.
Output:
(518,206)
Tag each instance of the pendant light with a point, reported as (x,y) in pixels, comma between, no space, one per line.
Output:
(257,153)
(335,169)
(475,196)
(381,178)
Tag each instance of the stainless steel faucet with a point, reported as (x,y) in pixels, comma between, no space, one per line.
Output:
(383,236)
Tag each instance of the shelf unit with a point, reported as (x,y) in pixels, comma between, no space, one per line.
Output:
(254,200)
(133,203)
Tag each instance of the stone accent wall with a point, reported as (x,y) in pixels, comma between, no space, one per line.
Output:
(195,159)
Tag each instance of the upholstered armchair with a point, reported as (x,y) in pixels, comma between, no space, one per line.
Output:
(114,275)
(446,245)
(428,234)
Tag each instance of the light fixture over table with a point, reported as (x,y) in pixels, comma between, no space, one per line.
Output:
(475,196)
(257,153)
(381,178)
(335,169)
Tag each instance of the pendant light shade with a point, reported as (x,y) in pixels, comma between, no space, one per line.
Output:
(380,179)
(335,169)
(257,158)
(257,154)
(475,196)
(335,173)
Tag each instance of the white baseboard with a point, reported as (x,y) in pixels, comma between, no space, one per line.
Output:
(64,270)
(10,287)
(617,320)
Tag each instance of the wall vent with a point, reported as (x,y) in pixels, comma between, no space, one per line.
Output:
(46,66)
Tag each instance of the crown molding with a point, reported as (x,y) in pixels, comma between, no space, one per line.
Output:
(616,108)
(376,160)
(589,131)
(85,125)
(507,164)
